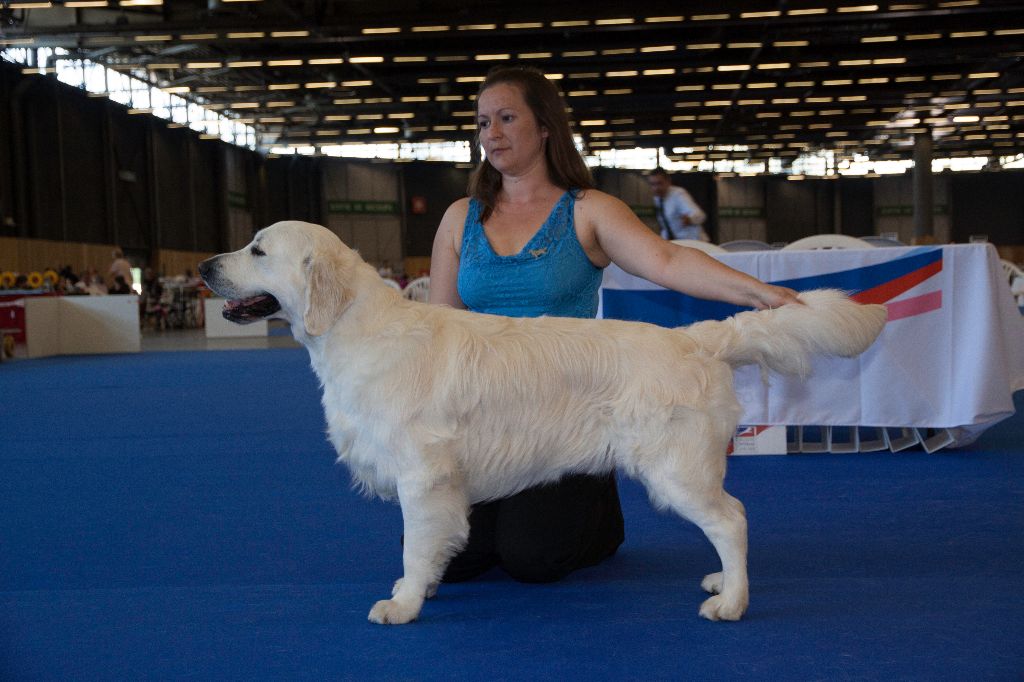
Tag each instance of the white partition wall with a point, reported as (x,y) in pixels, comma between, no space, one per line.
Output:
(42,326)
(78,325)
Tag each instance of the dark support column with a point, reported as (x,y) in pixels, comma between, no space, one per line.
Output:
(837,208)
(62,179)
(924,211)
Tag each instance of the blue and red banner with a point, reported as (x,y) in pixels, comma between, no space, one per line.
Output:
(879,283)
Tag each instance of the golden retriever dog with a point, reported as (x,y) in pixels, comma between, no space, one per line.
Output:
(442,408)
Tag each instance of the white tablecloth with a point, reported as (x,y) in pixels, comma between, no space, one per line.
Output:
(951,355)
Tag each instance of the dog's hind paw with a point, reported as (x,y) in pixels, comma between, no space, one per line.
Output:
(392,612)
(712,583)
(717,608)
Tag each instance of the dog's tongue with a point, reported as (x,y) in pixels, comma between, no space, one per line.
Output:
(245,302)
(246,310)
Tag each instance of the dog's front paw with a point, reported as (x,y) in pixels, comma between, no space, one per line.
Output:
(392,612)
(430,594)
(718,608)
(712,583)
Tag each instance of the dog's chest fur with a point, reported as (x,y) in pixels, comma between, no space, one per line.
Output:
(359,426)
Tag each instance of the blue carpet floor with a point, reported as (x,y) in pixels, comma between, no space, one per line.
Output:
(180,516)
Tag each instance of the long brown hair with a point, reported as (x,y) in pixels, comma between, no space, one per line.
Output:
(566,167)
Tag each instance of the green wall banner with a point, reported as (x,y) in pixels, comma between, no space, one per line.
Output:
(363,207)
(740,212)
(237,200)
(891,211)
(643,210)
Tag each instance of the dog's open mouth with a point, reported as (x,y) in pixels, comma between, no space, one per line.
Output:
(246,310)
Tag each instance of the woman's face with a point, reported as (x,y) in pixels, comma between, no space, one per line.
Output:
(509,133)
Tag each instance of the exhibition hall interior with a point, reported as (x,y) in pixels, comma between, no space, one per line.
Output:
(177,501)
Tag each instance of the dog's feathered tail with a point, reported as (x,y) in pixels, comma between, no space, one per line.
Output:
(786,338)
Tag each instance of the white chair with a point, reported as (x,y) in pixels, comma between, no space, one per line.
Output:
(746,245)
(1011,270)
(1015,277)
(706,247)
(827,241)
(418,290)
(392,283)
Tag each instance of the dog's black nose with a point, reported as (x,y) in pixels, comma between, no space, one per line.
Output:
(206,269)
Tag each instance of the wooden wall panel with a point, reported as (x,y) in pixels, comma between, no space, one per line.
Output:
(28,255)
(416,266)
(171,263)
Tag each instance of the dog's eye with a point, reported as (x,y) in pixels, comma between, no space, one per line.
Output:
(257,251)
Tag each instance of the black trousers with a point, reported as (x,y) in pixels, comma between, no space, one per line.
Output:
(542,534)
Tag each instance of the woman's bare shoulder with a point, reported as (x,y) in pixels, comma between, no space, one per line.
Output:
(453,222)
(459,207)
(593,204)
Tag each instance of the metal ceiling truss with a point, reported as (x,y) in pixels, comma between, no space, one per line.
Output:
(743,79)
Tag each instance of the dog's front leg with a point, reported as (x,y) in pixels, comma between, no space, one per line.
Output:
(436,526)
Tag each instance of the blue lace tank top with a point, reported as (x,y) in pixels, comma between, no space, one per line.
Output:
(550,276)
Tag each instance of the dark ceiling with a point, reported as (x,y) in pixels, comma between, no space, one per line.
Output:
(778,78)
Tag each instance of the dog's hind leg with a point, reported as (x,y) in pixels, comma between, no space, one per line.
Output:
(696,493)
(436,526)
(725,524)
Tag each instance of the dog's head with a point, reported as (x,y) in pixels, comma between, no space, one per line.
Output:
(291,270)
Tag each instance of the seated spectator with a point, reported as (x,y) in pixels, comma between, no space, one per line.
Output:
(91,284)
(152,304)
(152,289)
(68,282)
(120,286)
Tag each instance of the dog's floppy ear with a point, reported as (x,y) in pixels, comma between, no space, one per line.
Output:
(327,294)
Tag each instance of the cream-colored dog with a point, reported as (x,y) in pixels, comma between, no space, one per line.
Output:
(443,408)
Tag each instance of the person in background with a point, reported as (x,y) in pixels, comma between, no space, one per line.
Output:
(678,214)
(532,239)
(152,289)
(91,283)
(120,266)
(119,287)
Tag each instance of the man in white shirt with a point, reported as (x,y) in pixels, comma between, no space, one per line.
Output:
(678,214)
(120,266)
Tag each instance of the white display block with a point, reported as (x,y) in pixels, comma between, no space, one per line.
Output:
(79,325)
(759,440)
(218,327)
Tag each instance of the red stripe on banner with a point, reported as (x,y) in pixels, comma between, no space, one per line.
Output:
(915,306)
(893,288)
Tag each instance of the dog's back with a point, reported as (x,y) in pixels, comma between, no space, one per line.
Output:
(588,395)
